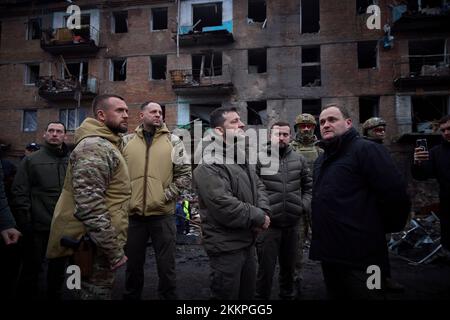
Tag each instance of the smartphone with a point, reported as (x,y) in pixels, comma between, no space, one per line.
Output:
(422,143)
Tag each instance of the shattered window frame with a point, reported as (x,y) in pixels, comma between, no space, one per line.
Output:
(114,23)
(29,72)
(257,113)
(255,55)
(29,120)
(368,107)
(154,60)
(253,9)
(114,68)
(159,10)
(365,54)
(34,28)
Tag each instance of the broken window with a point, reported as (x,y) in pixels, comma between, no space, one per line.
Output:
(426,110)
(206,64)
(368,108)
(34,29)
(159,67)
(311,71)
(257,60)
(201,112)
(120,22)
(159,18)
(310,16)
(29,120)
(31,73)
(367,54)
(72,117)
(118,70)
(256,10)
(426,56)
(207,15)
(77,71)
(313,107)
(257,112)
(361,6)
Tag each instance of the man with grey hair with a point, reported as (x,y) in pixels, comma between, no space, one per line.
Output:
(358,196)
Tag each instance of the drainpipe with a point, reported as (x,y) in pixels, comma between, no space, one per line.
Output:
(178,28)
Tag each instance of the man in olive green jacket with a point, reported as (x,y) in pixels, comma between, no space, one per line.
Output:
(233,207)
(159,170)
(95,196)
(36,188)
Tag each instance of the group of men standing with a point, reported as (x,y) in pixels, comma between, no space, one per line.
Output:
(114,192)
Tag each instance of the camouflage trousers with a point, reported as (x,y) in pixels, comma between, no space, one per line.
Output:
(99,285)
(302,236)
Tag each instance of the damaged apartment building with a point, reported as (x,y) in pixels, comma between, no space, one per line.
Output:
(272,59)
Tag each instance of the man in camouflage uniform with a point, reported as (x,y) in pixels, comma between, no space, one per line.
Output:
(374,129)
(95,196)
(305,144)
(159,170)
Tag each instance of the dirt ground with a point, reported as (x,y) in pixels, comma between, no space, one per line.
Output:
(429,281)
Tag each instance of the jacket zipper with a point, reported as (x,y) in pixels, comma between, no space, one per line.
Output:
(144,189)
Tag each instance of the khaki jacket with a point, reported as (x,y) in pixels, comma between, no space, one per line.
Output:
(95,196)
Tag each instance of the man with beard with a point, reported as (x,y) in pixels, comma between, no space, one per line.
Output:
(157,180)
(36,188)
(233,207)
(374,129)
(289,192)
(305,144)
(358,196)
(95,197)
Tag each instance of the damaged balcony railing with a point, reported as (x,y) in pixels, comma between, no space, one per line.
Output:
(422,70)
(65,40)
(218,77)
(51,88)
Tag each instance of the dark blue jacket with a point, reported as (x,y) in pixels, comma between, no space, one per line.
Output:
(358,196)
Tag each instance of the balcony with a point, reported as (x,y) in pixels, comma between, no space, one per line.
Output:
(411,17)
(197,82)
(422,71)
(67,89)
(67,42)
(212,37)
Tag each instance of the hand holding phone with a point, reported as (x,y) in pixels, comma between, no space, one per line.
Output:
(421,151)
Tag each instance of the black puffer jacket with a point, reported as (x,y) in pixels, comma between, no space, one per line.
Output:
(358,196)
(232,202)
(37,186)
(289,190)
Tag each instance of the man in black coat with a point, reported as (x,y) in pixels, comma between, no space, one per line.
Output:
(436,164)
(289,191)
(358,196)
(9,235)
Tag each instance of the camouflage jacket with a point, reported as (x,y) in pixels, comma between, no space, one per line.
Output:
(96,190)
(310,151)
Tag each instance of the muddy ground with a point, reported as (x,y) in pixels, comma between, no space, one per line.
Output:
(429,281)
